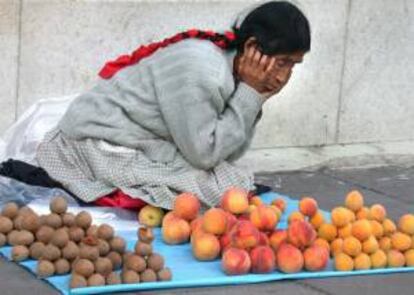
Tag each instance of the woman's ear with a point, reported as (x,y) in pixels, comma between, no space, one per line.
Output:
(249,43)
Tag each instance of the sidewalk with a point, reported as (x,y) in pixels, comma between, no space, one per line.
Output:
(391,186)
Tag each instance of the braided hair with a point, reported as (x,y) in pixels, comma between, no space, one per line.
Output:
(224,41)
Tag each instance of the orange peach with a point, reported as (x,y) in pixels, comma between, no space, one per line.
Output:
(406,224)
(354,201)
(337,246)
(244,235)
(167,217)
(362,213)
(280,203)
(377,212)
(289,258)
(345,231)
(308,206)
(340,216)
(206,247)
(231,221)
(264,218)
(409,258)
(327,232)
(301,234)
(225,241)
(235,201)
(385,244)
(352,246)
(378,259)
(317,219)
(263,259)
(263,239)
(322,243)
(197,223)
(176,231)
(277,211)
(351,215)
(361,229)
(377,229)
(186,206)
(295,216)
(412,242)
(251,208)
(236,261)
(389,227)
(400,241)
(343,262)
(277,238)
(215,221)
(395,258)
(362,262)
(256,200)
(370,245)
(316,258)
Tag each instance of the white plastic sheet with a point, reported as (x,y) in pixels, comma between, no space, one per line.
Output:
(22,138)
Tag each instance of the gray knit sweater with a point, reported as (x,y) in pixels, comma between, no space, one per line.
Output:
(182,99)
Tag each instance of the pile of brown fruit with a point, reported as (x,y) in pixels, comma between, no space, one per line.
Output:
(64,243)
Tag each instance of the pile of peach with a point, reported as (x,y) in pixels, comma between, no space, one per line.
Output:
(360,237)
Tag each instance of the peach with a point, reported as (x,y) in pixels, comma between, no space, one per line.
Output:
(225,241)
(351,215)
(322,243)
(343,262)
(389,227)
(244,235)
(215,221)
(377,212)
(370,245)
(263,239)
(377,229)
(337,246)
(395,258)
(400,241)
(176,231)
(340,216)
(280,203)
(277,238)
(289,258)
(308,206)
(362,262)
(361,229)
(352,246)
(256,200)
(345,231)
(235,201)
(231,221)
(354,201)
(277,211)
(236,261)
(317,219)
(196,224)
(263,259)
(186,206)
(378,259)
(301,234)
(385,243)
(406,224)
(327,232)
(362,213)
(206,247)
(316,258)
(167,217)
(409,258)
(251,208)
(412,242)
(264,218)
(296,215)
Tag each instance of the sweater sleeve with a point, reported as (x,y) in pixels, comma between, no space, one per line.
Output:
(207,126)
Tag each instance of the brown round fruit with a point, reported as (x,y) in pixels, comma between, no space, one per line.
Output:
(44,234)
(96,280)
(83,219)
(118,244)
(155,262)
(36,250)
(6,225)
(105,232)
(12,237)
(68,219)
(45,269)
(145,234)
(84,267)
(89,252)
(78,281)
(3,240)
(30,222)
(51,253)
(143,249)
(58,205)
(115,258)
(54,220)
(103,247)
(71,251)
(113,279)
(60,238)
(136,263)
(164,274)
(92,231)
(103,266)
(62,266)
(10,210)
(130,277)
(25,238)
(148,275)
(76,234)
(19,253)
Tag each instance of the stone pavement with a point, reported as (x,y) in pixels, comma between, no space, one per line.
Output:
(391,186)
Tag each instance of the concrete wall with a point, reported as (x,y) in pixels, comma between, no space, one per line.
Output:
(356,85)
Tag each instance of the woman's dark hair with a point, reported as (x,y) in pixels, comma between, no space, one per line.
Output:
(278,26)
